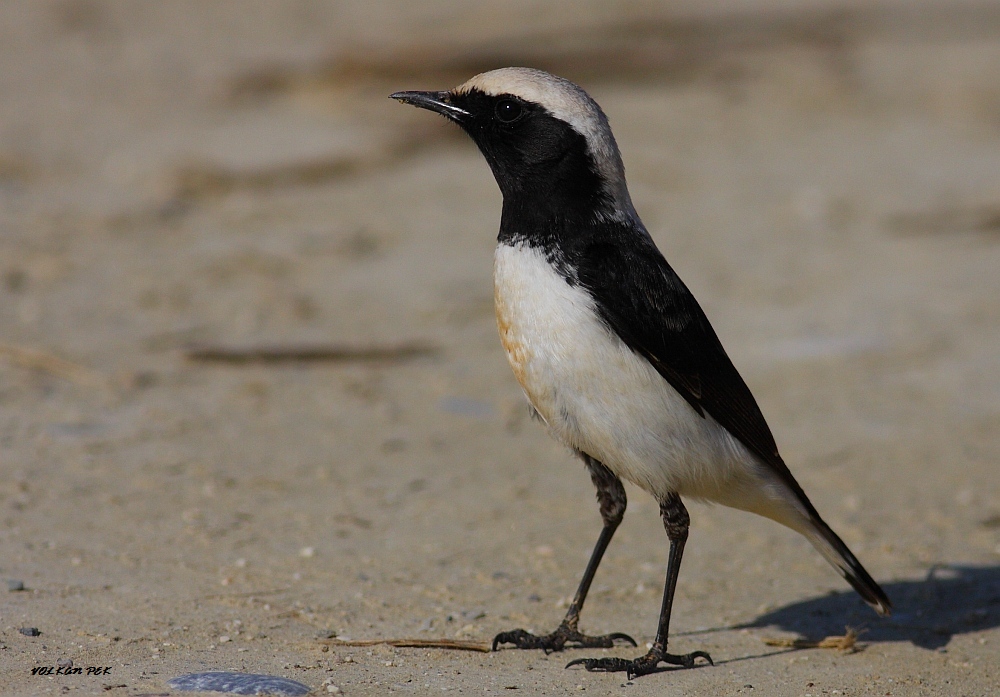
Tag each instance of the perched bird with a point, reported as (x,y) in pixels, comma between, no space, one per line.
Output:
(610,347)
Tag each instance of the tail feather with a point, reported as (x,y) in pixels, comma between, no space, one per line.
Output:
(836,552)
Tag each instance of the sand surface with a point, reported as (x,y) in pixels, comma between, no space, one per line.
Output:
(825,176)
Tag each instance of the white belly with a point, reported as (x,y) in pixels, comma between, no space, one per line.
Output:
(596,395)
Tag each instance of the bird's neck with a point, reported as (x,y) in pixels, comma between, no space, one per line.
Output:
(547,219)
(537,223)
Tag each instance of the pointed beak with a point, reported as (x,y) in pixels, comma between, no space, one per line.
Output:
(439,102)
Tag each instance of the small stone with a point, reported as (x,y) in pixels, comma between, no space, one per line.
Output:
(65,663)
(223,639)
(307,552)
(15,585)
(30,631)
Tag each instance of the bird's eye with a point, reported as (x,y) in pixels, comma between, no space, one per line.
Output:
(508,111)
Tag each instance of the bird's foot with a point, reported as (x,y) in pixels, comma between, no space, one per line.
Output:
(642,665)
(565,635)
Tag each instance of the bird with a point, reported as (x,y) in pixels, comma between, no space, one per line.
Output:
(611,349)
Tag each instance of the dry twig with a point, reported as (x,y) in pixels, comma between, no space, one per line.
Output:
(452,644)
(847,643)
(242,355)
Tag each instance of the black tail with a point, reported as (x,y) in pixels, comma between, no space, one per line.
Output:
(836,552)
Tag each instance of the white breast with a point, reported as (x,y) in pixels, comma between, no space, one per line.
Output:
(596,395)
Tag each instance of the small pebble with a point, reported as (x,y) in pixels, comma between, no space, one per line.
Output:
(15,585)
(239,684)
(30,631)
(223,639)
(65,663)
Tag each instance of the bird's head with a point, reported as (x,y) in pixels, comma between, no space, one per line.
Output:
(543,137)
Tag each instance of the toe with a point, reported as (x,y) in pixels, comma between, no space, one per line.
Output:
(687,660)
(618,636)
(518,637)
(644,665)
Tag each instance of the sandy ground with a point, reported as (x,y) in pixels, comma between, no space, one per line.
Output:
(823,175)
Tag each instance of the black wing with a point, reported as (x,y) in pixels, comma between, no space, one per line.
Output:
(645,303)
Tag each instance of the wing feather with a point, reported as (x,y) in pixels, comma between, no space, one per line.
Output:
(642,299)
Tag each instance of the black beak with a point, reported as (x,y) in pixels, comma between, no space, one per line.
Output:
(439,102)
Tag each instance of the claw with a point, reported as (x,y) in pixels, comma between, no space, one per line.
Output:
(697,654)
(622,637)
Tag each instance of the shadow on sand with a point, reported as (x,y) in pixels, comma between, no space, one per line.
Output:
(928,613)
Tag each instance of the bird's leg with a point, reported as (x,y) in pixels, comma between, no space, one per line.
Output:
(611,497)
(676,521)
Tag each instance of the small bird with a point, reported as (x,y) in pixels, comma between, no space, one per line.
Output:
(612,351)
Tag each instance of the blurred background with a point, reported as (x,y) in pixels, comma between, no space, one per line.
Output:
(250,385)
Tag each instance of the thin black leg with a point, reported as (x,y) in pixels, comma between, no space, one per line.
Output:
(676,521)
(612,500)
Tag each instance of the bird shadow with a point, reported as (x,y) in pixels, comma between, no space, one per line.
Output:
(950,600)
